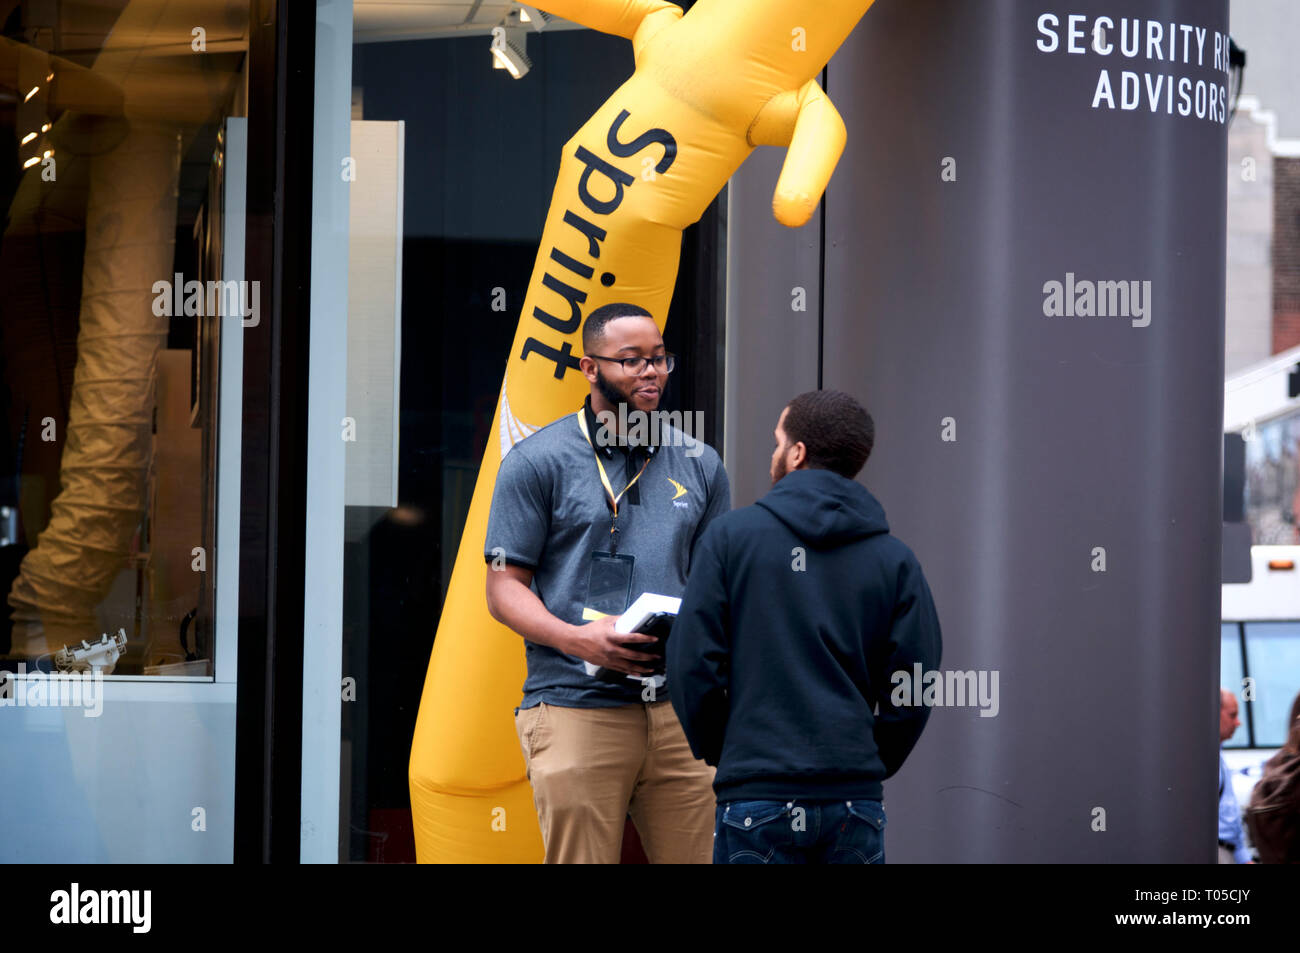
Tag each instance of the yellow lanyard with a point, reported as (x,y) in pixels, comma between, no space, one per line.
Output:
(604,479)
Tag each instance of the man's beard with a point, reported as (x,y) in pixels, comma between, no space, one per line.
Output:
(781,470)
(612,396)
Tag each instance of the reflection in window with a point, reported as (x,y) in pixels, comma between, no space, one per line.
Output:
(107,453)
(1273,482)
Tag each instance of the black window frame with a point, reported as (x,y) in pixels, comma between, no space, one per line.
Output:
(273,459)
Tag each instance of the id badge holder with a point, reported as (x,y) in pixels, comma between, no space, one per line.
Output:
(609,590)
(609,585)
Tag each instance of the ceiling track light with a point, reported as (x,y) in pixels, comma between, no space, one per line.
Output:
(535,18)
(509,50)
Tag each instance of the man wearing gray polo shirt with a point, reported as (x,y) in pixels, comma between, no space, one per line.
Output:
(588,513)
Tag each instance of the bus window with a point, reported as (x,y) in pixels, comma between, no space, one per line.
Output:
(1273,655)
(1230,676)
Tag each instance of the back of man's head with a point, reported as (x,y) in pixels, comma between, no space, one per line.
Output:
(836,431)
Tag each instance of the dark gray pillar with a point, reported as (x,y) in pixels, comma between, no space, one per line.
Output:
(773,310)
(1072,432)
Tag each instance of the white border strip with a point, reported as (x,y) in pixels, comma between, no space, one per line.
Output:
(322,657)
(230,413)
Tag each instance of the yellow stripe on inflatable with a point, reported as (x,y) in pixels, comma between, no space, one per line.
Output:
(708,88)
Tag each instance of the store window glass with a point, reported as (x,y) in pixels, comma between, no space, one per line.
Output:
(471,153)
(120,323)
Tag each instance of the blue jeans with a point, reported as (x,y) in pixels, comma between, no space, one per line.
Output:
(799,832)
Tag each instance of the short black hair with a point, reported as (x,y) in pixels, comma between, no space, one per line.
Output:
(836,430)
(593,329)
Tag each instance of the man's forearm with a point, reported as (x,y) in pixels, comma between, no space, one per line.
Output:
(519,608)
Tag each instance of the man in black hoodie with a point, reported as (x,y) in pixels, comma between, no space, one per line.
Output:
(797,614)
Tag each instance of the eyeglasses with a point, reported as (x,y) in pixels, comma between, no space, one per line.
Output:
(663,363)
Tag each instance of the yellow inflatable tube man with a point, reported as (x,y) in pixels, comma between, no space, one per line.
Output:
(708,87)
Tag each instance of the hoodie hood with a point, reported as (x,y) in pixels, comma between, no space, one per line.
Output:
(825,509)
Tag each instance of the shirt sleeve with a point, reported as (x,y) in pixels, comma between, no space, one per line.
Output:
(520,517)
(1230,816)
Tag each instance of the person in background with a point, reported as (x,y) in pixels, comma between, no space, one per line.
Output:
(1273,814)
(800,611)
(1232,840)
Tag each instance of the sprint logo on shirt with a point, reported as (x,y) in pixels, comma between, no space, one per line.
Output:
(681,491)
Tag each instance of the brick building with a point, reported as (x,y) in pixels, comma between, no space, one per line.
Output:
(1286,252)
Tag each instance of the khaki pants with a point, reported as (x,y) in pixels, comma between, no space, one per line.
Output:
(591,767)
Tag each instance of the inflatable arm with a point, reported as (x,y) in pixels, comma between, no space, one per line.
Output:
(808,122)
(708,88)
